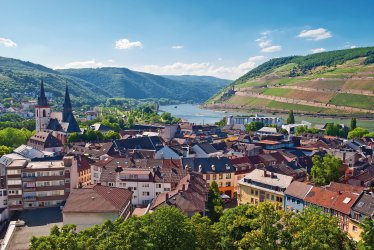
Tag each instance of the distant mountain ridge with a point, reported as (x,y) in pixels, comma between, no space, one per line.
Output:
(92,86)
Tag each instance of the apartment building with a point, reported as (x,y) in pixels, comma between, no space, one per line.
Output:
(146,178)
(37,184)
(261,185)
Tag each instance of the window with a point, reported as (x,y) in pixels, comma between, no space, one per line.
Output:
(145,185)
(14,182)
(356,216)
(228,176)
(293,200)
(9,172)
(5,202)
(279,199)
(256,193)
(166,189)
(220,176)
(288,198)
(267,196)
(158,185)
(110,184)
(252,201)
(207,177)
(220,184)
(354,228)
(252,191)
(214,177)
(272,197)
(298,202)
(228,184)
(96,175)
(145,193)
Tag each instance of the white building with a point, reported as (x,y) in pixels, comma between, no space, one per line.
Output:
(266,120)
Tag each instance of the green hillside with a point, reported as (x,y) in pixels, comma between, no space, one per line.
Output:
(339,81)
(93,86)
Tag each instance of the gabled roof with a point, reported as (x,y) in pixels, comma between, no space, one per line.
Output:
(189,196)
(146,142)
(365,205)
(97,199)
(211,165)
(207,148)
(298,189)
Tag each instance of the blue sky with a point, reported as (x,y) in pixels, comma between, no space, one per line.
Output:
(213,37)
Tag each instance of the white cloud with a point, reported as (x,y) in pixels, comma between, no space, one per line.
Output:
(82,64)
(126,44)
(319,50)
(353,47)
(204,68)
(7,42)
(110,60)
(177,47)
(271,49)
(316,34)
(266,44)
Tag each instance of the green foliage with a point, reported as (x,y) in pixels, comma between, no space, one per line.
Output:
(325,169)
(353,123)
(367,234)
(5,150)
(334,129)
(12,137)
(291,117)
(263,226)
(370,135)
(215,202)
(312,229)
(300,130)
(222,122)
(253,126)
(357,133)
(111,135)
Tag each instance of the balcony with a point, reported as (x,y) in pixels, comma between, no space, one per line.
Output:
(50,188)
(29,198)
(28,178)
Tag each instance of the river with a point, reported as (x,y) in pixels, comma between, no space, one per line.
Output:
(193,113)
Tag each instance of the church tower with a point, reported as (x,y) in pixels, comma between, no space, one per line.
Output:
(42,111)
(67,108)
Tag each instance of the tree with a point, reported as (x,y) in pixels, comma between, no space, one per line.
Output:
(301,130)
(312,229)
(12,137)
(204,233)
(5,150)
(215,202)
(222,122)
(325,169)
(74,137)
(291,117)
(367,234)
(111,135)
(253,126)
(353,123)
(357,133)
(333,129)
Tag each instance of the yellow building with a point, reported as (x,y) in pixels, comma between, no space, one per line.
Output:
(354,230)
(261,185)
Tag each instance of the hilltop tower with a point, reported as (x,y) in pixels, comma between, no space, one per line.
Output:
(42,111)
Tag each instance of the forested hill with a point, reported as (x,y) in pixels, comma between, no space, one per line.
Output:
(333,82)
(94,86)
(122,82)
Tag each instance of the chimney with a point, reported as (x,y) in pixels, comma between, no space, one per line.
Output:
(184,187)
(265,173)
(344,156)
(272,175)
(167,197)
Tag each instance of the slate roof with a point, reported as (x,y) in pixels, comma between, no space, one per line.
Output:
(97,199)
(207,148)
(365,205)
(149,143)
(47,139)
(210,165)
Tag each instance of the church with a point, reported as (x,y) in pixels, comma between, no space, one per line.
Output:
(59,124)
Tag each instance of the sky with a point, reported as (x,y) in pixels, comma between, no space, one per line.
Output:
(222,38)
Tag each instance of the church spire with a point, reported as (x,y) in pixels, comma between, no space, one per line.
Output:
(67,111)
(42,99)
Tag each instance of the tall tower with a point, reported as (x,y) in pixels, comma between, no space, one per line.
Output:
(67,108)
(42,111)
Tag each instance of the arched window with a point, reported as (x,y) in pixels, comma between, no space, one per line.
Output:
(44,114)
